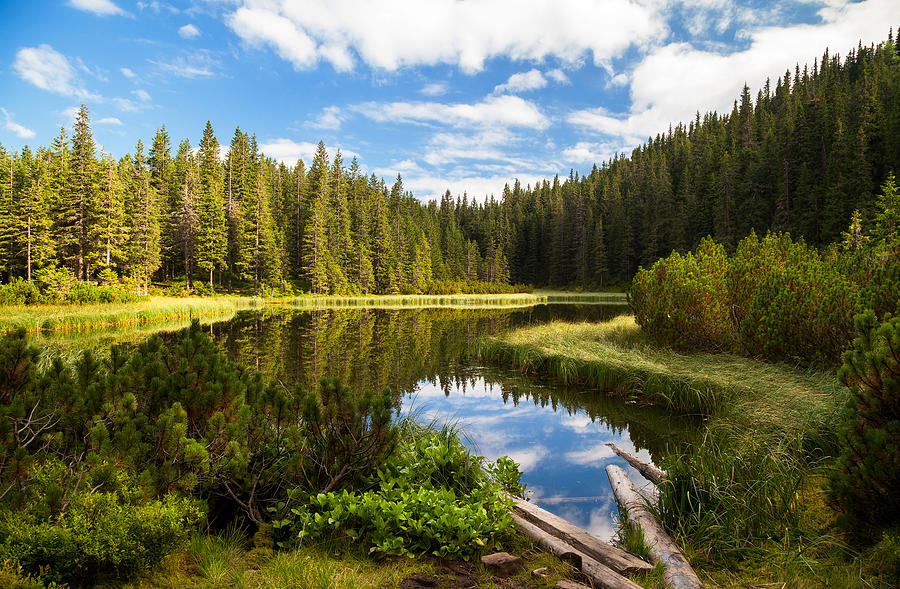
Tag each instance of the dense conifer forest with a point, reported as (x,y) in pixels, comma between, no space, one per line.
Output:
(809,150)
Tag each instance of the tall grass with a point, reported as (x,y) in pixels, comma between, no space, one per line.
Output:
(76,318)
(456,300)
(618,358)
(748,492)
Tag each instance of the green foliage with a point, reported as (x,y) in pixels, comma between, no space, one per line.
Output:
(774,298)
(680,299)
(505,472)
(19,292)
(431,497)
(866,480)
(99,535)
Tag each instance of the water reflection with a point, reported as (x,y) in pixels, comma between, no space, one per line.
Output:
(557,434)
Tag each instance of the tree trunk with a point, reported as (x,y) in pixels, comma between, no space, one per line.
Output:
(677,570)
(610,556)
(647,470)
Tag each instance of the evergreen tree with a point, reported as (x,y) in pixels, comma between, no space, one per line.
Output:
(212,235)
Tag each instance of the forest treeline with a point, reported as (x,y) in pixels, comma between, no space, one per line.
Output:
(800,158)
(157,216)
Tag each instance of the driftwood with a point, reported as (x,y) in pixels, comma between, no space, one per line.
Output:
(677,570)
(618,560)
(599,574)
(568,584)
(649,471)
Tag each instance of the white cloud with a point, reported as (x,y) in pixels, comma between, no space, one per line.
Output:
(98,7)
(558,76)
(108,121)
(434,89)
(142,95)
(14,127)
(288,151)
(494,110)
(390,34)
(330,119)
(585,152)
(49,69)
(128,73)
(189,31)
(521,82)
(428,186)
(195,65)
(69,113)
(674,81)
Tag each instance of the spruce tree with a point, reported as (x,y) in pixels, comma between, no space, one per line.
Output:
(212,234)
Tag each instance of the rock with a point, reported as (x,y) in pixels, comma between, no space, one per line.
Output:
(568,584)
(417,581)
(502,564)
(541,573)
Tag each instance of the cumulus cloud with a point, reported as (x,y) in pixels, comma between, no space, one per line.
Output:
(14,127)
(189,31)
(108,121)
(98,7)
(558,76)
(49,69)
(521,82)
(674,81)
(128,73)
(585,152)
(330,119)
(495,110)
(288,151)
(390,34)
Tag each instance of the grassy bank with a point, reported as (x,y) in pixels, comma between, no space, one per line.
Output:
(61,318)
(615,356)
(458,300)
(747,500)
(35,318)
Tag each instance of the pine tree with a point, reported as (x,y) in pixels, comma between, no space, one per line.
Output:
(110,231)
(79,204)
(212,234)
(143,240)
(35,224)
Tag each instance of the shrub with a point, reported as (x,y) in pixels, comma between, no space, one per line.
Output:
(19,292)
(99,535)
(683,299)
(431,497)
(55,283)
(866,481)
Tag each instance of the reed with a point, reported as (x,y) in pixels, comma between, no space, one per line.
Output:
(456,300)
(56,318)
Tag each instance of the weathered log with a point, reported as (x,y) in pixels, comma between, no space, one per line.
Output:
(599,574)
(650,472)
(548,542)
(569,584)
(677,570)
(618,560)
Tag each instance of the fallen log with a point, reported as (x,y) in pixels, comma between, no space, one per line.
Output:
(618,560)
(650,472)
(677,570)
(599,574)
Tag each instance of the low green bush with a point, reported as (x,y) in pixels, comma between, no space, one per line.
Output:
(19,292)
(431,497)
(100,535)
(448,287)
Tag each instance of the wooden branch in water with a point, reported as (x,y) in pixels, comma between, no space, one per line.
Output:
(618,560)
(599,574)
(677,570)
(649,471)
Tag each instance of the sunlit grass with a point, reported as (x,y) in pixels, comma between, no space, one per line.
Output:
(36,318)
(456,300)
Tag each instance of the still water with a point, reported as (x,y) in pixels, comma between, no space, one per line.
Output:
(556,434)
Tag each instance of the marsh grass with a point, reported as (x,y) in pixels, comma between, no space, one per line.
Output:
(44,318)
(456,300)
(617,358)
(745,499)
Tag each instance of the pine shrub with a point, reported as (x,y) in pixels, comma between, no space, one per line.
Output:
(865,484)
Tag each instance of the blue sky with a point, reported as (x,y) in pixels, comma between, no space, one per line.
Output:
(464,95)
